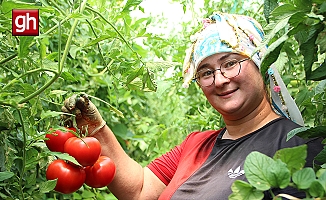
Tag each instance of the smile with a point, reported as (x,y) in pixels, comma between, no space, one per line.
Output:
(226,93)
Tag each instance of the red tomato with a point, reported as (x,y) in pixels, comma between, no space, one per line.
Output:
(70,177)
(101,173)
(86,150)
(58,138)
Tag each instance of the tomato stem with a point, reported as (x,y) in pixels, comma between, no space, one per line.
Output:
(22,171)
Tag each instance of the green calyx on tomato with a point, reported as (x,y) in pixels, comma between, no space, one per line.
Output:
(56,139)
(85,150)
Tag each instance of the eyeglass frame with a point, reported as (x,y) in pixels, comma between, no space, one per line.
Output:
(222,73)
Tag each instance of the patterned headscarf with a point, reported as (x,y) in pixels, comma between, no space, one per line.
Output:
(240,34)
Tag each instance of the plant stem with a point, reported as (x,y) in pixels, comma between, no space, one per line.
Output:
(23,156)
(8,59)
(62,60)
(28,72)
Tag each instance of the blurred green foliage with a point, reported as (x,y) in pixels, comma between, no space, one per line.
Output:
(112,55)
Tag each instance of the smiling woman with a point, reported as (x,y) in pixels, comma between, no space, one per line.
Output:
(206,164)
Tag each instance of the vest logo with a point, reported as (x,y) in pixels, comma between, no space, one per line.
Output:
(237,172)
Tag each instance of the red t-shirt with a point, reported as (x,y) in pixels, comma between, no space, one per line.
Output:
(204,165)
(188,156)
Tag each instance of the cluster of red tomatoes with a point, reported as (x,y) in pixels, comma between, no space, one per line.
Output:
(94,170)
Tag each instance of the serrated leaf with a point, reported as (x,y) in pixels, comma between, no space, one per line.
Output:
(269,6)
(294,157)
(47,186)
(303,178)
(263,172)
(243,190)
(24,43)
(284,11)
(6,175)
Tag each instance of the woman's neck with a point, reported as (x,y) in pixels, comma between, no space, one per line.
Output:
(253,121)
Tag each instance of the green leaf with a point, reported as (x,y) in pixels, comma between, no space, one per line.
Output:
(99,39)
(65,156)
(263,172)
(50,114)
(308,47)
(304,178)
(320,87)
(74,50)
(87,194)
(122,131)
(272,54)
(243,190)
(284,11)
(322,7)
(68,77)
(23,49)
(322,177)
(316,189)
(47,186)
(269,6)
(297,22)
(321,157)
(275,29)
(31,157)
(149,82)
(133,75)
(304,5)
(7,6)
(6,175)
(130,4)
(319,73)
(305,132)
(294,157)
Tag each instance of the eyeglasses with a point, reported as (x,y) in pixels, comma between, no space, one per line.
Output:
(229,69)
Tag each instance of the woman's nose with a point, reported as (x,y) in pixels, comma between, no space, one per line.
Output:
(219,79)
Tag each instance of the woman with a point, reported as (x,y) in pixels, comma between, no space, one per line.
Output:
(223,61)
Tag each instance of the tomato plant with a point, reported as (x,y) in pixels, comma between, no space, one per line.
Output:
(85,150)
(69,177)
(101,173)
(56,139)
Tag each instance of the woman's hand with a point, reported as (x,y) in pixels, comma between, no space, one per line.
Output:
(88,117)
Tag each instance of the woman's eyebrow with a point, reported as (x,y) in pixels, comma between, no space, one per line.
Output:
(222,58)
(206,65)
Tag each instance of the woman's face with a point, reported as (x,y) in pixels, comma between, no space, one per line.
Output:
(234,97)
